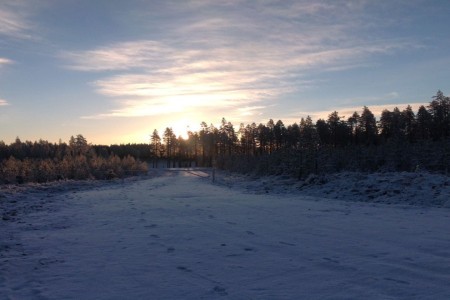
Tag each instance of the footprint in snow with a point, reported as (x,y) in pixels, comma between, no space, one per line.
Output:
(220,290)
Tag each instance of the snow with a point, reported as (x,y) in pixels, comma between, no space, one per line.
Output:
(399,188)
(179,236)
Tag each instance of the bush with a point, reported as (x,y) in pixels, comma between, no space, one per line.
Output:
(78,167)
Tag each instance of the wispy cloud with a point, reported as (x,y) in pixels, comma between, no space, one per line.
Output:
(122,56)
(234,54)
(3,102)
(5,61)
(13,20)
(250,110)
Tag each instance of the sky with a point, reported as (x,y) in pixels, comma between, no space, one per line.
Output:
(115,70)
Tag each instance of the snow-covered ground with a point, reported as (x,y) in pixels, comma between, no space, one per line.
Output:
(401,188)
(178,236)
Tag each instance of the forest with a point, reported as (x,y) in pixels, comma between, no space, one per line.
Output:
(401,140)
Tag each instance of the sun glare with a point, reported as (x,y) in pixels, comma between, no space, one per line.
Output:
(181,128)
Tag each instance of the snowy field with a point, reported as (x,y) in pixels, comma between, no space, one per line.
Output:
(178,236)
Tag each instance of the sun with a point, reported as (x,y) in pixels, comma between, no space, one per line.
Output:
(182,127)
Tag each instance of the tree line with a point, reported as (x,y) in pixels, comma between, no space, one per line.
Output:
(42,161)
(401,140)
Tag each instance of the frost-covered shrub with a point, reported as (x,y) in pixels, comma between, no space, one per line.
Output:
(79,167)
(44,170)
(10,168)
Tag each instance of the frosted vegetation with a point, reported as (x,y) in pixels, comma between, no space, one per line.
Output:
(43,162)
(401,140)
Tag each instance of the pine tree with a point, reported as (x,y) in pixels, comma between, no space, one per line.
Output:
(293,136)
(424,123)
(367,125)
(439,109)
(323,130)
(155,147)
(279,131)
(354,129)
(410,125)
(309,142)
(170,142)
(386,124)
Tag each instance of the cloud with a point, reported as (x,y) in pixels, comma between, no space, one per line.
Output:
(250,110)
(122,56)
(13,20)
(3,102)
(229,55)
(5,61)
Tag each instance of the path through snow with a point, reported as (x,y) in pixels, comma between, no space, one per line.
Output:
(181,237)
